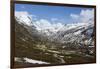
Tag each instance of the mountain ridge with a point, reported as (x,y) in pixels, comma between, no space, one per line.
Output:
(63,33)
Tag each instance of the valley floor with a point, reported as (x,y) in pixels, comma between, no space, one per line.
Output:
(53,57)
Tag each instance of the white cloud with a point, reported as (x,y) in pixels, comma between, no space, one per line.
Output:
(86,15)
(74,16)
(17,13)
(43,24)
(83,16)
(20,13)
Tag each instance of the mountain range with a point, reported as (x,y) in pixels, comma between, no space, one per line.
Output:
(63,33)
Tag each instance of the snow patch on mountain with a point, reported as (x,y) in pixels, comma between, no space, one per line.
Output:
(28,60)
(24,17)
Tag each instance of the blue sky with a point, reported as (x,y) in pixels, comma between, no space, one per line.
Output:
(48,12)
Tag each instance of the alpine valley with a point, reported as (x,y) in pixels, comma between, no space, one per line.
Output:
(47,42)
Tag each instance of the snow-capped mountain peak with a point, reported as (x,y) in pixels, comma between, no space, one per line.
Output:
(47,27)
(23,17)
(43,25)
